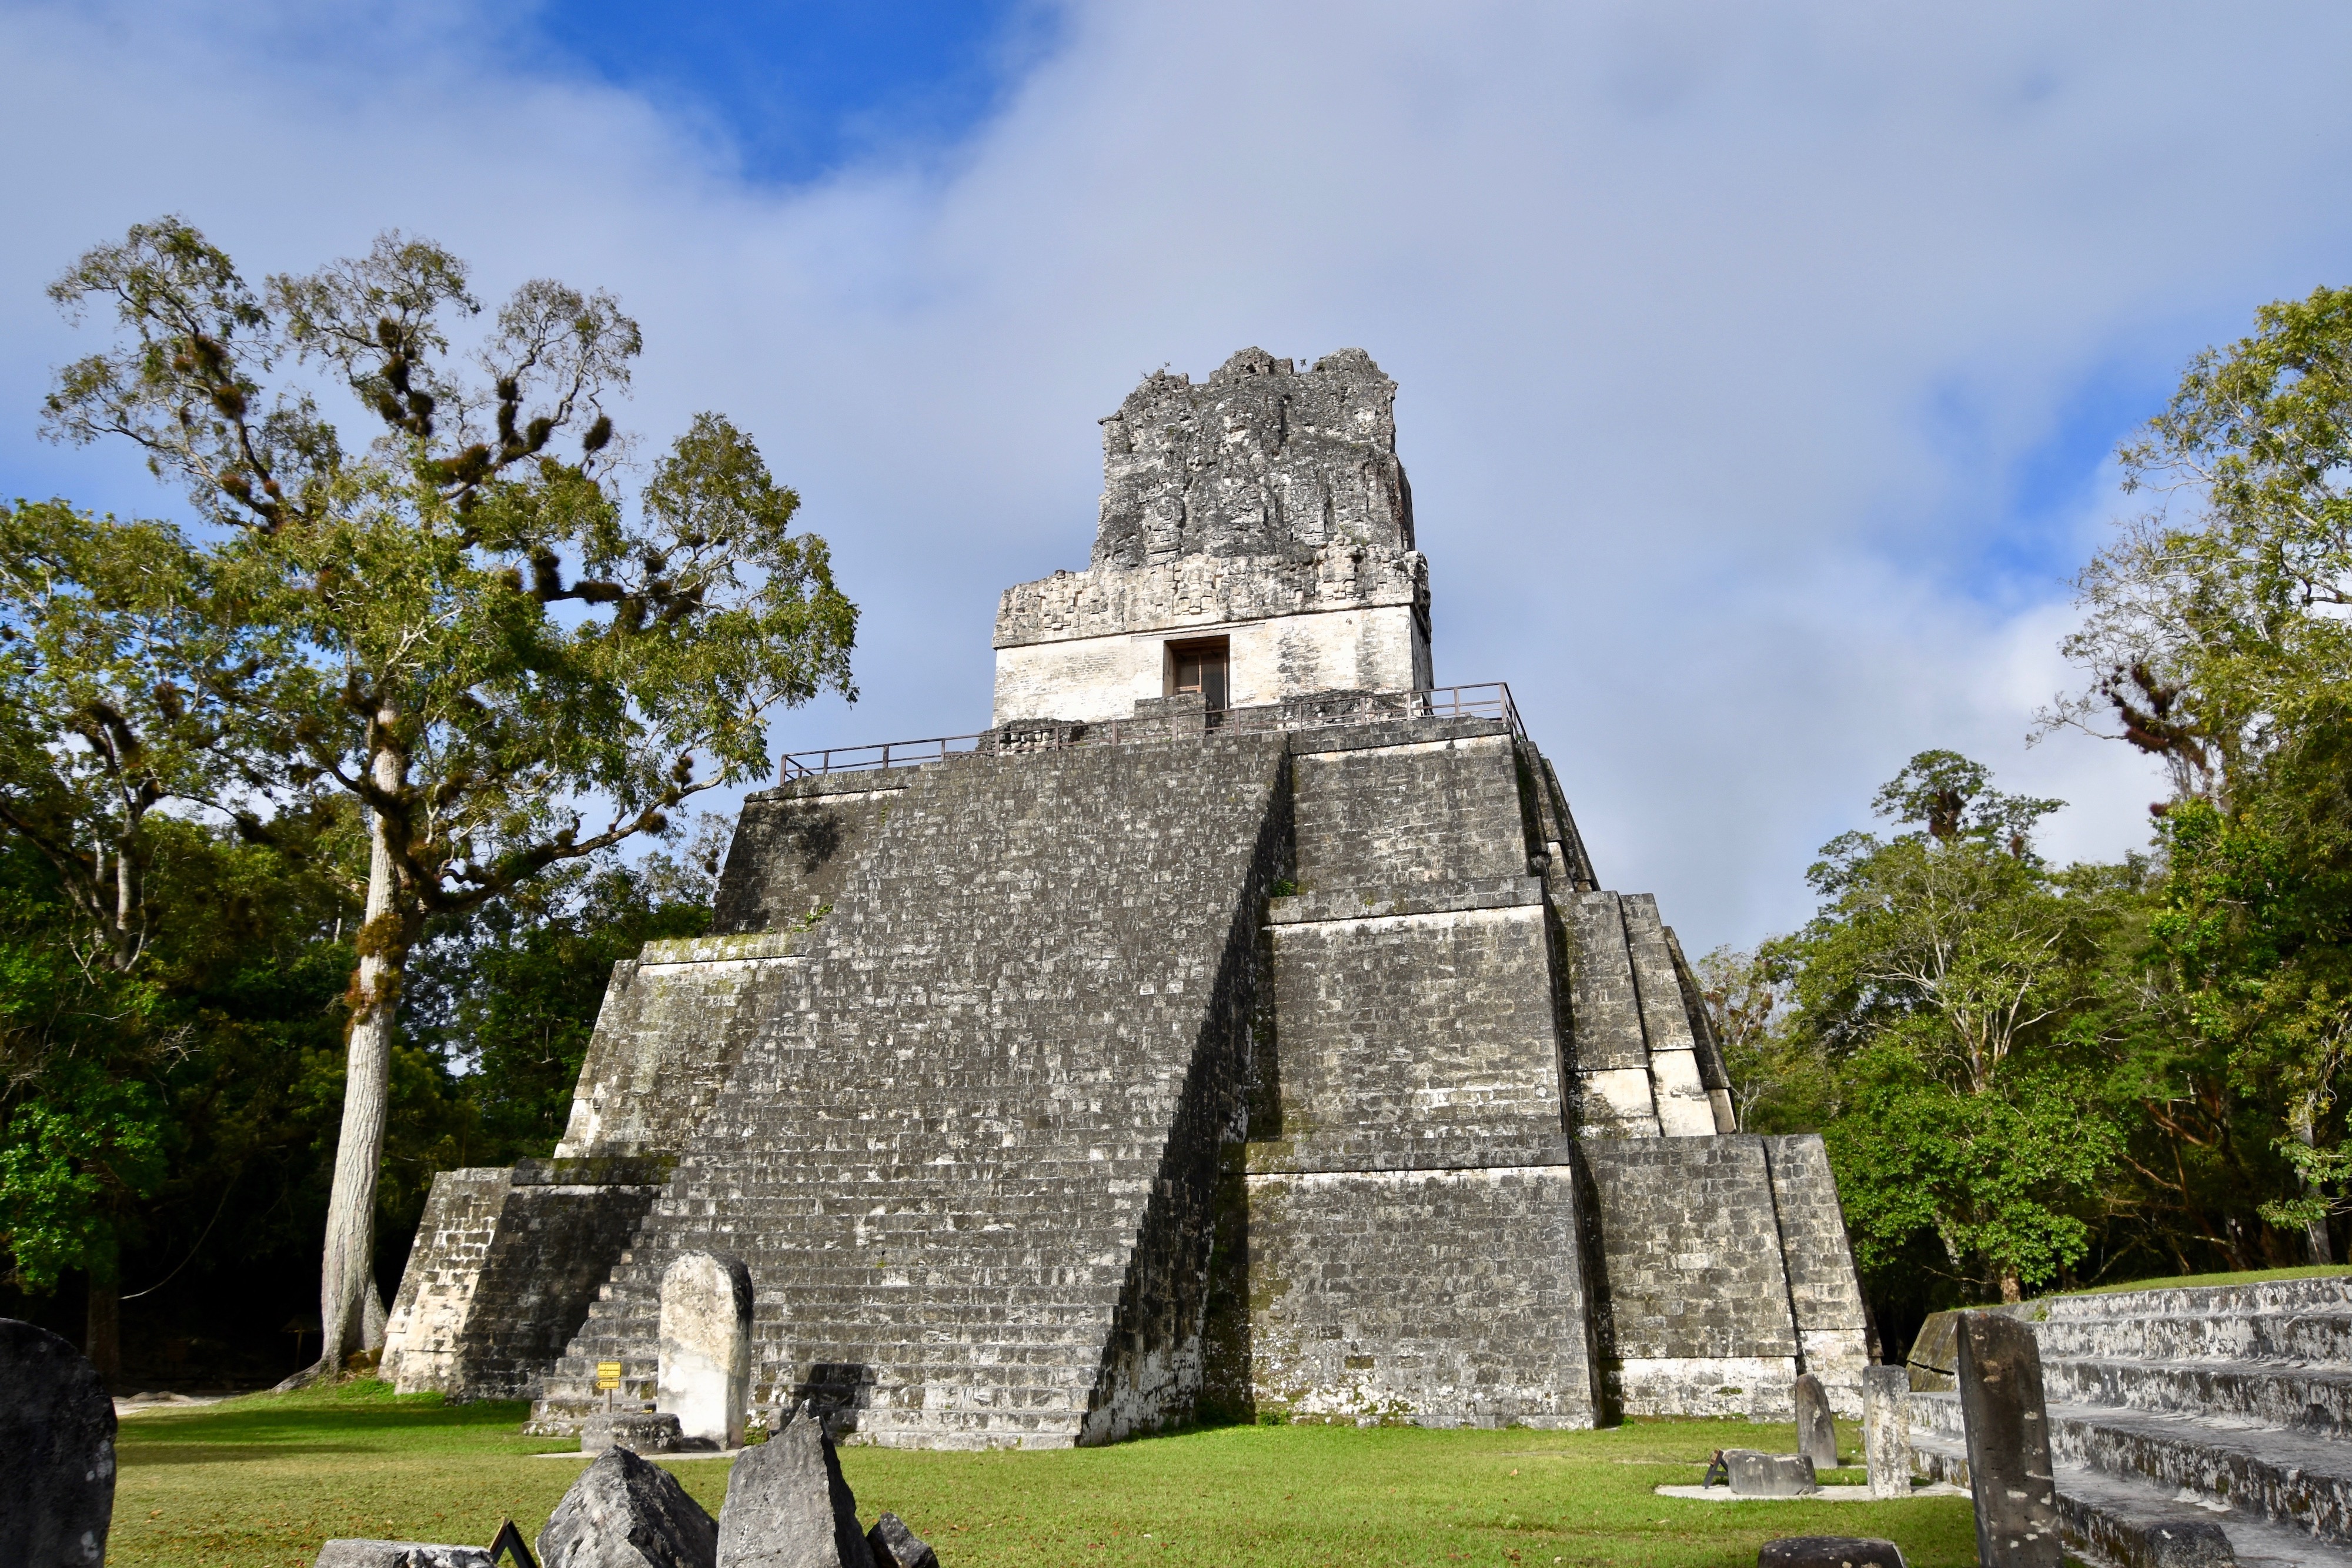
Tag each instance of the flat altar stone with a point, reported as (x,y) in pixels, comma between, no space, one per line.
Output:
(639,1431)
(1828,1552)
(1755,1473)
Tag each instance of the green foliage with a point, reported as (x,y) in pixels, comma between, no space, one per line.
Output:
(451,677)
(1934,1033)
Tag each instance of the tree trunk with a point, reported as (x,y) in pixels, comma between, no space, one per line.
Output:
(347,1279)
(2012,1290)
(102,1326)
(2315,1239)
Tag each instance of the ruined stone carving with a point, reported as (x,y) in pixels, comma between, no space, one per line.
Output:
(1260,459)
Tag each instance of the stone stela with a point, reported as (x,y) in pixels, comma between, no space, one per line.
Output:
(1281,1054)
(704,1378)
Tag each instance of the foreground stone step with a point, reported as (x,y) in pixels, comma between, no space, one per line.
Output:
(2119,1521)
(2298,1480)
(2318,1336)
(2317,1401)
(2326,1292)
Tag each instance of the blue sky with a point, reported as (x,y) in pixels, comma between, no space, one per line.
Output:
(792,90)
(1760,362)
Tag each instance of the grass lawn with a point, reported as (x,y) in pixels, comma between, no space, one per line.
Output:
(263,1480)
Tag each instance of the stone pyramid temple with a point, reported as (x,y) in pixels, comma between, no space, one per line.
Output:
(1238,1029)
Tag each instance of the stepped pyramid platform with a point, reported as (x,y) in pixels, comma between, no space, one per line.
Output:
(2177,1412)
(1237,1027)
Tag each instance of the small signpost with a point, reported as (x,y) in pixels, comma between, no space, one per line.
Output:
(608,1378)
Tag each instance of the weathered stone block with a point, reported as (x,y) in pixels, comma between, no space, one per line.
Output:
(1816,1429)
(623,1513)
(2008,1443)
(788,1506)
(1755,1473)
(1885,1431)
(896,1546)
(705,1379)
(57,1451)
(1828,1552)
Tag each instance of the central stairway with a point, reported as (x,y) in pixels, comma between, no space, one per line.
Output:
(2173,1412)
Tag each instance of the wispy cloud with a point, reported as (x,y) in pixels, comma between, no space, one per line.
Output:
(1759,361)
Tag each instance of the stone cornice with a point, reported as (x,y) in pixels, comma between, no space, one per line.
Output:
(1208,591)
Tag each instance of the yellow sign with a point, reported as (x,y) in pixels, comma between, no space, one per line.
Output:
(608,1374)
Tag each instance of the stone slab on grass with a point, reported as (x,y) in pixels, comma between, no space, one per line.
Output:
(1828,1552)
(788,1506)
(357,1554)
(624,1512)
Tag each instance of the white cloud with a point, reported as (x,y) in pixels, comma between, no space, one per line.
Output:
(1722,328)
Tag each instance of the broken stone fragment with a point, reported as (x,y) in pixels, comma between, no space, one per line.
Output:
(623,1513)
(1816,1429)
(1755,1473)
(896,1546)
(1828,1552)
(788,1506)
(57,1450)
(356,1553)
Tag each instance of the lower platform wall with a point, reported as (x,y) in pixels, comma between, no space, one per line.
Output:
(1446,1298)
(505,1265)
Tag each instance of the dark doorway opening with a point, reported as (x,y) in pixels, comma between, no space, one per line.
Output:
(1200,665)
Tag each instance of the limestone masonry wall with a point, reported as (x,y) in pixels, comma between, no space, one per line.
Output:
(794,849)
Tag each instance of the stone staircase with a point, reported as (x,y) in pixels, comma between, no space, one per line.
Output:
(2173,1412)
(971,1172)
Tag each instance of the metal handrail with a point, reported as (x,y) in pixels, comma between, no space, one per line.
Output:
(1490,699)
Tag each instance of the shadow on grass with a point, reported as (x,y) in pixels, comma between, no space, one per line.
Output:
(212,1453)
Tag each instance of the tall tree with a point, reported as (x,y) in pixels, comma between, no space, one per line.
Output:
(1937,982)
(2216,638)
(122,690)
(497,645)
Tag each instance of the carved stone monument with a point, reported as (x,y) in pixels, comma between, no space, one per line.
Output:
(706,1347)
(57,1451)
(1816,1428)
(1886,1433)
(2008,1443)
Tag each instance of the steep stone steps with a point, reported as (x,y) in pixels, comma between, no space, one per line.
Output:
(941,1170)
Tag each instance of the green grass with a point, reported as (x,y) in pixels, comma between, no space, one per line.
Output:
(2245,1277)
(262,1481)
